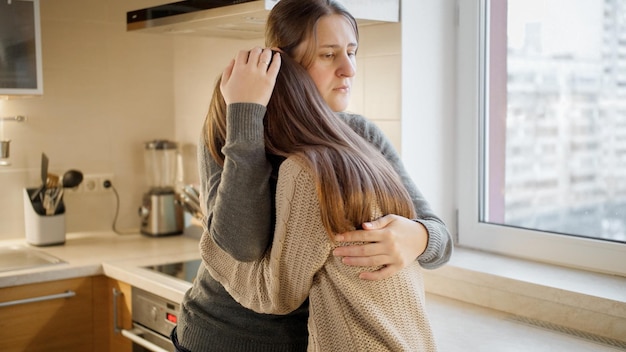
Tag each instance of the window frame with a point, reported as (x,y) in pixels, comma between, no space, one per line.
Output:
(577,252)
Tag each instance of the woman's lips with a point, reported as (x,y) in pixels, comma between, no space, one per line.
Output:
(343,89)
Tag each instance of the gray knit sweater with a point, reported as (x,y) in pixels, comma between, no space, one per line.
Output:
(240,218)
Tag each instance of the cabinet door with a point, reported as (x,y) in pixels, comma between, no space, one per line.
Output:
(56,324)
(20,48)
(106,338)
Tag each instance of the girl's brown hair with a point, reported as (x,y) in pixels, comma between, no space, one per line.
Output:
(353,178)
(291,22)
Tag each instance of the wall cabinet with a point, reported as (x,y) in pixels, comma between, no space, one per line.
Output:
(51,324)
(20,48)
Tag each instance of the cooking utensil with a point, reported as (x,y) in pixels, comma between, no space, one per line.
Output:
(52,181)
(190,206)
(50,193)
(72,178)
(57,200)
(192,193)
(48,200)
(44,176)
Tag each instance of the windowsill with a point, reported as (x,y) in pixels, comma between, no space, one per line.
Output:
(590,302)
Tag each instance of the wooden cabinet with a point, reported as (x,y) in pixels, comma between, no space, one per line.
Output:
(81,322)
(51,324)
(106,292)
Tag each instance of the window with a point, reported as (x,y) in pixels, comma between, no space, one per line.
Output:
(542,130)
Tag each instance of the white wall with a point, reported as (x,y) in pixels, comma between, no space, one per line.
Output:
(197,64)
(428,101)
(106,91)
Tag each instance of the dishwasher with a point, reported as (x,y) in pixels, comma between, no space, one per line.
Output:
(153,316)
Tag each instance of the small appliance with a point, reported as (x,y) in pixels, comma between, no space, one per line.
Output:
(161,212)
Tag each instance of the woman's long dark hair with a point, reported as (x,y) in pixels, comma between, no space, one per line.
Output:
(353,178)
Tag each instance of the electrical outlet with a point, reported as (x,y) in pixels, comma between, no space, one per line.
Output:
(92,183)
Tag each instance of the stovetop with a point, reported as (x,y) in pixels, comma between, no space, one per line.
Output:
(181,270)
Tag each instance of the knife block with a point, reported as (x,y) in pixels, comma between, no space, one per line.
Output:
(42,230)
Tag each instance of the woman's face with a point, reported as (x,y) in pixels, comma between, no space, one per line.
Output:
(334,63)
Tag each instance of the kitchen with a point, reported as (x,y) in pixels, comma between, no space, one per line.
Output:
(106,91)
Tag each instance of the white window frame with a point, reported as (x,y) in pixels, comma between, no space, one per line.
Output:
(570,251)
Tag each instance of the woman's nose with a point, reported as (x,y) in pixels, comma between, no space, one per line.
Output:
(347,66)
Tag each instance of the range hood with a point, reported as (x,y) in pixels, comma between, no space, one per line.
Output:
(238,19)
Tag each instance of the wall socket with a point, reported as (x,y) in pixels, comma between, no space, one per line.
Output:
(92,183)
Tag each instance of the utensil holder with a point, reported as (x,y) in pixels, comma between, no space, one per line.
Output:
(42,230)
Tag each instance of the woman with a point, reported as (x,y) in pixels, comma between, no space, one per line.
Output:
(323,38)
(331,182)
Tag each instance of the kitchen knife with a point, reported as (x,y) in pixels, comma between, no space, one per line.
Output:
(44,176)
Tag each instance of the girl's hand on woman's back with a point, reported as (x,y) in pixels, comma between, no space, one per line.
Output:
(250,77)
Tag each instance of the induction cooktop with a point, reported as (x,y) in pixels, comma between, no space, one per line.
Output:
(186,270)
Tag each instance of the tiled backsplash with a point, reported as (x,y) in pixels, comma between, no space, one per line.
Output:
(107,91)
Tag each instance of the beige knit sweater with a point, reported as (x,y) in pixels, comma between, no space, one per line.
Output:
(346,313)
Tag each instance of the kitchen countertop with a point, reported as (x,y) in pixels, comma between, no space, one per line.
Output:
(458,326)
(117,256)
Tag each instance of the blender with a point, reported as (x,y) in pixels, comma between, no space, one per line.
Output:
(161,212)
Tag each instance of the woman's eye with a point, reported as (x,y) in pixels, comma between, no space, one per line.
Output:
(328,55)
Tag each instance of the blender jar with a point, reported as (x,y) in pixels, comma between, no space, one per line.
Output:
(160,159)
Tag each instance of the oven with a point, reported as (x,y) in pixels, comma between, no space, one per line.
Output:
(153,316)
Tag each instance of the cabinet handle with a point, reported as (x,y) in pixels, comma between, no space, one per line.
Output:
(116,295)
(66,294)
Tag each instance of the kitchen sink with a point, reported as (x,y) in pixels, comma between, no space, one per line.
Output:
(22,257)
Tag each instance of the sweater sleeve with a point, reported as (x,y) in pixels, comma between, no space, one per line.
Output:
(237,198)
(280,282)
(439,247)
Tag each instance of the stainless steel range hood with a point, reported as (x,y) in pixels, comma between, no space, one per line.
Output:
(239,19)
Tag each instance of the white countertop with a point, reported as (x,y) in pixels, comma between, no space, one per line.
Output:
(117,256)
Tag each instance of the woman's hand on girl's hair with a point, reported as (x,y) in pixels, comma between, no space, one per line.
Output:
(250,77)
(392,241)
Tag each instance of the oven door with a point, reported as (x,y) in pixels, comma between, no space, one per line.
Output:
(145,339)
(146,309)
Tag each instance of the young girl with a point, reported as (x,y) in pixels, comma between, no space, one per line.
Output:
(331,182)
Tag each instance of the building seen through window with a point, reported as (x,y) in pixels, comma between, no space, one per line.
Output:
(561,163)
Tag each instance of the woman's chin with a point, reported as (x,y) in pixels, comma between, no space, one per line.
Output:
(339,104)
